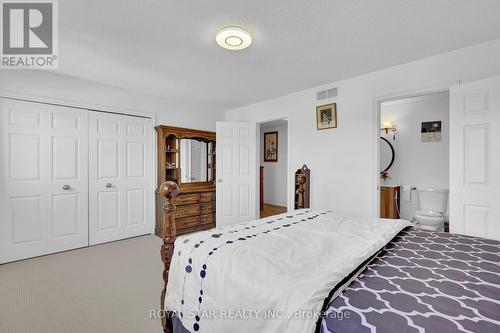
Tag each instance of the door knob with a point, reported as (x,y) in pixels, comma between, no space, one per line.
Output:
(66,187)
(108,185)
(219,180)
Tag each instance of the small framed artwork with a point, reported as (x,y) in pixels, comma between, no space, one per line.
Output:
(271,147)
(326,116)
(431,131)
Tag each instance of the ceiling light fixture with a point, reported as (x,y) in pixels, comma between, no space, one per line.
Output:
(234,38)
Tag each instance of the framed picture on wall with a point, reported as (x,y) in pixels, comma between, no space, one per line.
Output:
(431,131)
(271,147)
(326,116)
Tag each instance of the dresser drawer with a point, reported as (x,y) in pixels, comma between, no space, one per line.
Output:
(187,210)
(208,207)
(207,196)
(196,228)
(187,222)
(187,199)
(207,218)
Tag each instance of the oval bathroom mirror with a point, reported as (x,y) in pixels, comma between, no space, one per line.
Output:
(387,155)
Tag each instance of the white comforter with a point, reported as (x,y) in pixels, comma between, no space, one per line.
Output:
(270,275)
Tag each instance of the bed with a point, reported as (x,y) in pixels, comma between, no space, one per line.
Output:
(321,271)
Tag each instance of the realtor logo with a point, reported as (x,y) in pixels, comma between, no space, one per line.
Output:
(29,34)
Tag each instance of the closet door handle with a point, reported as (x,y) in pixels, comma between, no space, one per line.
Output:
(108,185)
(66,187)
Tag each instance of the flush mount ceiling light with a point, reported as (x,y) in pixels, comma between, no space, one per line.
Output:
(234,38)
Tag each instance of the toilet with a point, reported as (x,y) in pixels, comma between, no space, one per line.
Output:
(432,205)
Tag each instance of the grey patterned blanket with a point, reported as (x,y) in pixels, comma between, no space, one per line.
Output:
(423,282)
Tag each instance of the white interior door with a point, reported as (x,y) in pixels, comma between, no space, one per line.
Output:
(43,148)
(236,172)
(68,179)
(120,177)
(475,158)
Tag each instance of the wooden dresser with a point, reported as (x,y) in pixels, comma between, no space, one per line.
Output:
(196,201)
(195,211)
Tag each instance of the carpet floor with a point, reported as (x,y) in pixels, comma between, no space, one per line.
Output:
(106,288)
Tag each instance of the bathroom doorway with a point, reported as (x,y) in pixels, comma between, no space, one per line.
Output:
(414,159)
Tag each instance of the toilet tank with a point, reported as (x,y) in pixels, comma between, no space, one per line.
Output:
(433,200)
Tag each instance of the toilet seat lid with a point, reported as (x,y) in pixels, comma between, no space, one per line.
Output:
(428,213)
(433,220)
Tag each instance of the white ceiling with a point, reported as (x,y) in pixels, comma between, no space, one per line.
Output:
(167,47)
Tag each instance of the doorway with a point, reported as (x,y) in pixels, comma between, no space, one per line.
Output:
(414,159)
(273,182)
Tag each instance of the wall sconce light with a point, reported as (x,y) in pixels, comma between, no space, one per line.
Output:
(388,126)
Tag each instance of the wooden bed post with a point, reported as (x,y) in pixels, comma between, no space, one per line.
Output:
(301,179)
(169,190)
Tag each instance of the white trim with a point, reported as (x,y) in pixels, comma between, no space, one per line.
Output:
(376,133)
(74,104)
(153,175)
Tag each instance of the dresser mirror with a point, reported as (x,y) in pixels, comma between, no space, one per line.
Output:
(196,160)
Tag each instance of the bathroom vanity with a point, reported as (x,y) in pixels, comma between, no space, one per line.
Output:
(389,201)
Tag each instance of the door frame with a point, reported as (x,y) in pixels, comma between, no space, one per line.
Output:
(376,133)
(105,109)
(290,176)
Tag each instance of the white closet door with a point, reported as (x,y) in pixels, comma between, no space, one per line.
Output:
(137,183)
(105,183)
(68,179)
(24,199)
(120,177)
(43,149)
